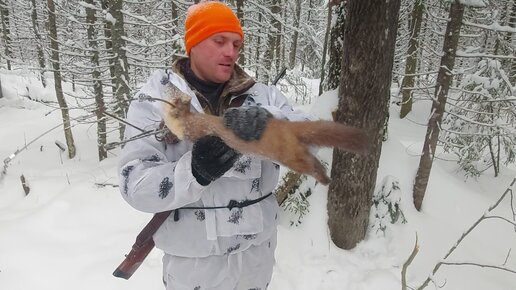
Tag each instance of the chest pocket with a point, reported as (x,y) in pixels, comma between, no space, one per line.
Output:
(248,100)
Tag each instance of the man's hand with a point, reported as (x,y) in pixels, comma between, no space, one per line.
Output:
(247,123)
(211,158)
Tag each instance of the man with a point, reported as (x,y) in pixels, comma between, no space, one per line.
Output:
(222,233)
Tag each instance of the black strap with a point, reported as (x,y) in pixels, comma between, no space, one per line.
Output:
(231,205)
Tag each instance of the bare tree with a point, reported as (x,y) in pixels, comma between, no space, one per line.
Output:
(278,29)
(108,43)
(175,13)
(121,82)
(91,19)
(1,93)
(39,42)
(335,47)
(369,40)
(6,31)
(510,38)
(411,62)
(52,29)
(273,41)
(325,48)
(295,37)
(444,80)
(240,15)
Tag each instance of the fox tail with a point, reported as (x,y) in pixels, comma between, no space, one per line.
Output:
(333,134)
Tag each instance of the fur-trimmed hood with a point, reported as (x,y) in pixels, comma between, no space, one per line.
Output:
(239,83)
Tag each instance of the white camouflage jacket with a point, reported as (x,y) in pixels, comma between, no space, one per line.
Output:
(156,176)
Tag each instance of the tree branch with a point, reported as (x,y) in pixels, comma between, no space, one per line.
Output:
(470,229)
(407,264)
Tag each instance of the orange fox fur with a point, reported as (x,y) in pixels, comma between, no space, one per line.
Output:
(283,141)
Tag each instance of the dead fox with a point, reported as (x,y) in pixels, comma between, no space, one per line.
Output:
(284,141)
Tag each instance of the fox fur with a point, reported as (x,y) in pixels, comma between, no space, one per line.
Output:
(284,141)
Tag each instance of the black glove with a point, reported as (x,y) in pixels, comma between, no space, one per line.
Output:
(247,123)
(211,158)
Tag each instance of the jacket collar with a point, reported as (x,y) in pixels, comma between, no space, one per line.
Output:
(239,82)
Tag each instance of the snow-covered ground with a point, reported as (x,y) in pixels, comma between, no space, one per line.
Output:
(70,233)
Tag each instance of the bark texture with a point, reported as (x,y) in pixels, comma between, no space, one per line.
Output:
(369,38)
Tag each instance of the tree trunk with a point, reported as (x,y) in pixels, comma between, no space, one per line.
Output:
(325,49)
(240,15)
(109,44)
(257,56)
(276,10)
(39,43)
(91,19)
(175,13)
(1,93)
(511,40)
(335,47)
(494,153)
(310,8)
(271,44)
(52,29)
(293,49)
(407,84)
(122,90)
(6,32)
(176,47)
(368,54)
(444,79)
(307,53)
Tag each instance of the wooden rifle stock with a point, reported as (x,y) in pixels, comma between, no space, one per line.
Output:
(141,248)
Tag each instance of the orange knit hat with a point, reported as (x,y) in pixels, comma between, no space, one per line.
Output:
(207,18)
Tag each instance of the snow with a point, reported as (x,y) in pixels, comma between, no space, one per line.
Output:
(71,233)
(473,3)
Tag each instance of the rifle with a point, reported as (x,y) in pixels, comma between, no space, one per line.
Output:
(279,76)
(141,248)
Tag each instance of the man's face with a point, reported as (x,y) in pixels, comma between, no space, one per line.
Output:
(213,59)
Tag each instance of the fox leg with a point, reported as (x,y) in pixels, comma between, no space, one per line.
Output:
(306,163)
(319,172)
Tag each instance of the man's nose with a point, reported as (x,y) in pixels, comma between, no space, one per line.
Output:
(230,50)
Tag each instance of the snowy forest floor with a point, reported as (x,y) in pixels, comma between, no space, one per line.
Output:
(71,233)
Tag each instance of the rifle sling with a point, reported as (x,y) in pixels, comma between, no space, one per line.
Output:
(159,218)
(232,204)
